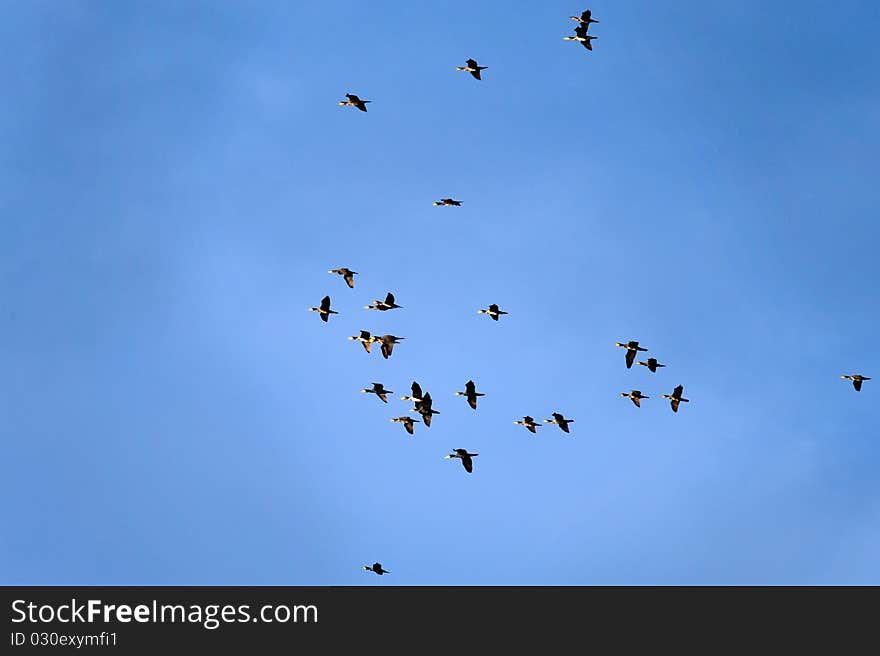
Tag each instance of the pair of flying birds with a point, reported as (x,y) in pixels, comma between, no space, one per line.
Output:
(558,419)
(580,32)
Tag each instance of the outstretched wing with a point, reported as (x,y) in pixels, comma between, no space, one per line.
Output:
(325,303)
(630,358)
(408,425)
(470,388)
(468,464)
(389,299)
(675,403)
(349,278)
(677,392)
(635,400)
(472,402)
(857,383)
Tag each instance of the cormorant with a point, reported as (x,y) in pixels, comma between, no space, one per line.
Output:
(631,349)
(354,101)
(651,364)
(472,68)
(675,398)
(560,421)
(856,380)
(424,408)
(465,458)
(347,275)
(448,201)
(387,304)
(582,36)
(493,312)
(586,18)
(366,339)
(416,395)
(470,391)
(388,342)
(324,311)
(379,390)
(635,396)
(376,567)
(529,423)
(407,423)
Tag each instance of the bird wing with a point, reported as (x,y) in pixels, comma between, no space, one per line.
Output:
(468,463)
(857,383)
(389,299)
(427,419)
(471,63)
(382,396)
(472,402)
(469,387)
(349,279)
(564,426)
(476,74)
(352,97)
(325,303)
(635,400)
(367,346)
(630,358)
(678,391)
(408,425)
(493,309)
(587,44)
(416,390)
(324,316)
(387,347)
(675,403)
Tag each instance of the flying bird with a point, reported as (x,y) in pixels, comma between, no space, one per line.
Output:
(366,339)
(407,423)
(416,395)
(635,396)
(379,390)
(675,398)
(651,364)
(470,391)
(347,275)
(560,421)
(376,567)
(387,304)
(493,312)
(631,349)
(465,458)
(529,423)
(581,35)
(424,408)
(448,202)
(856,380)
(586,18)
(324,311)
(354,101)
(472,68)
(388,342)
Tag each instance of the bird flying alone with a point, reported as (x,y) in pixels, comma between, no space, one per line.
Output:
(470,391)
(651,364)
(447,202)
(631,349)
(354,101)
(365,339)
(324,311)
(560,421)
(376,567)
(529,423)
(580,34)
(675,398)
(493,312)
(465,458)
(472,68)
(382,306)
(856,380)
(347,275)
(407,423)
(379,390)
(635,396)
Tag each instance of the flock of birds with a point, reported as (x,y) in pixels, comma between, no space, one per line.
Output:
(423,404)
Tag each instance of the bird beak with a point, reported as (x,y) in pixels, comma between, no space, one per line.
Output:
(446,457)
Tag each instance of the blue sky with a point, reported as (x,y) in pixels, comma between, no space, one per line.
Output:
(176,181)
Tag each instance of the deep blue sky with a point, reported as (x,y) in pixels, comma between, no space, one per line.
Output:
(176,180)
